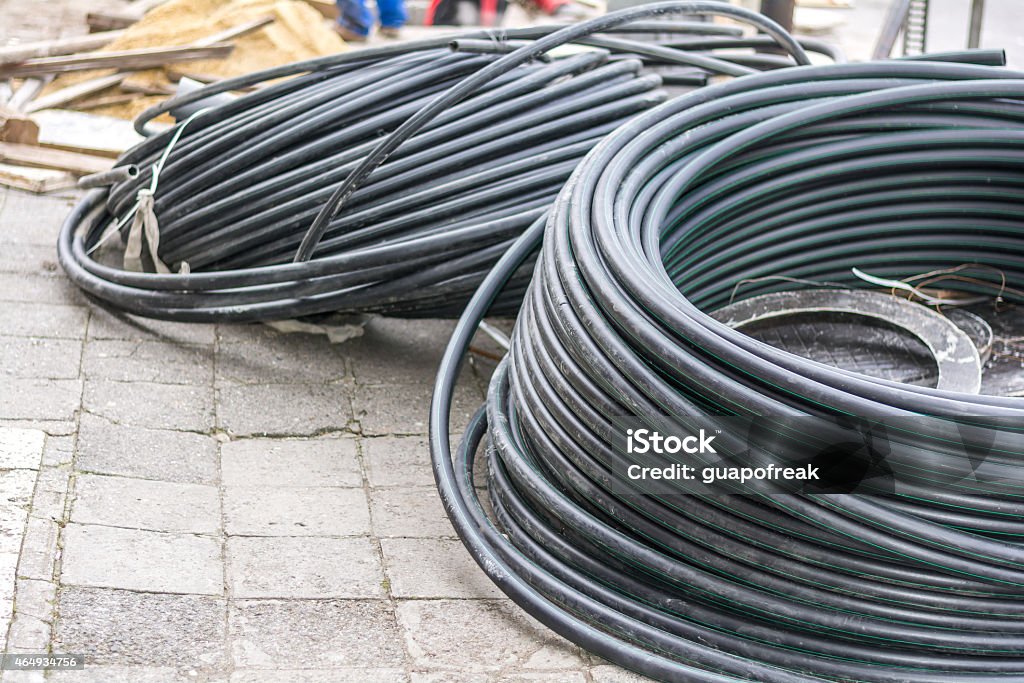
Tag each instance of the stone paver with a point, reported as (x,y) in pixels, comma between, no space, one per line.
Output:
(354,675)
(52,321)
(106,324)
(119,627)
(145,504)
(398,461)
(139,560)
(153,405)
(303,567)
(297,511)
(323,634)
(409,513)
(283,409)
(326,461)
(148,361)
(21,452)
(108,448)
(434,568)
(230,504)
(39,357)
(502,638)
(285,359)
(387,409)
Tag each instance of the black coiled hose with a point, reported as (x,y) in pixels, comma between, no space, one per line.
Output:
(895,168)
(266,207)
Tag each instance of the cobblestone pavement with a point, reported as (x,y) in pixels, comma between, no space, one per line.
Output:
(228,503)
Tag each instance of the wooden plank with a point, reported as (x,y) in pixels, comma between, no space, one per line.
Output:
(145,58)
(15,126)
(234,32)
(55,159)
(27,91)
(103,21)
(73,92)
(35,179)
(85,132)
(61,46)
(106,101)
(147,88)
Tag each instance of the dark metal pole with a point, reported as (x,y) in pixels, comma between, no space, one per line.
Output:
(780,11)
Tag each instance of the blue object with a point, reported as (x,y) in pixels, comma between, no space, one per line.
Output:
(356,16)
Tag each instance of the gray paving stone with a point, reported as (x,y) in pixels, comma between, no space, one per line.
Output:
(323,461)
(8,574)
(44,289)
(145,404)
(59,450)
(39,549)
(21,449)
(41,358)
(321,634)
(295,511)
(28,633)
(40,399)
(122,674)
(35,598)
(409,513)
(403,408)
(148,361)
(133,559)
(109,448)
(500,637)
(286,359)
(397,461)
(34,319)
(12,676)
(50,497)
(504,677)
(283,409)
(106,324)
(145,504)
(54,427)
(314,676)
(394,351)
(29,259)
(32,219)
(117,627)
(434,568)
(609,673)
(240,333)
(304,568)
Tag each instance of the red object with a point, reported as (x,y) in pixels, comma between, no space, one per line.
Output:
(488,12)
(550,6)
(428,16)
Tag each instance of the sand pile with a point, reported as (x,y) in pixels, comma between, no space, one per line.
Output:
(298,32)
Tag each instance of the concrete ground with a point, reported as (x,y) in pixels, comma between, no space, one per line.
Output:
(226,503)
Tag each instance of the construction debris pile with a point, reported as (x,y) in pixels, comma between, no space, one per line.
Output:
(55,94)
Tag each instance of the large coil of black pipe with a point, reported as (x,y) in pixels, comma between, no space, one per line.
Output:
(380,180)
(780,181)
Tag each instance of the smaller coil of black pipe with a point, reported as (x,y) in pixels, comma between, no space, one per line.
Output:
(771,182)
(279,204)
